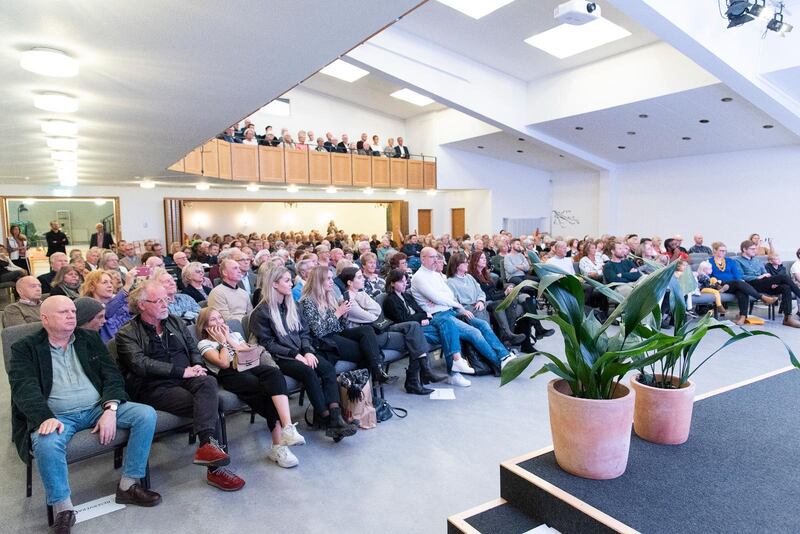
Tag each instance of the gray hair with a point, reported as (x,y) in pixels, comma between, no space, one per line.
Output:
(225,253)
(139,294)
(186,272)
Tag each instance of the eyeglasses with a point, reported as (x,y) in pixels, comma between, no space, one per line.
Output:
(163,300)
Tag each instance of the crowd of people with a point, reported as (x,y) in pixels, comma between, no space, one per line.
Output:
(366,145)
(311,300)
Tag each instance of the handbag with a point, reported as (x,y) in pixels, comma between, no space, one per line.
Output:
(244,359)
(355,392)
(384,411)
(381,324)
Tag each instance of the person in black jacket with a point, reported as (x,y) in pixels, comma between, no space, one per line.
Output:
(101,239)
(57,240)
(63,381)
(400,307)
(279,327)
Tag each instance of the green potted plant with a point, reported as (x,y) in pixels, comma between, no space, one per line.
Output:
(591,411)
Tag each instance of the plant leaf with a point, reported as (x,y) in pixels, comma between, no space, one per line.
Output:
(514,368)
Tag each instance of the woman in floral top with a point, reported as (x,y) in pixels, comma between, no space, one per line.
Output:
(374,284)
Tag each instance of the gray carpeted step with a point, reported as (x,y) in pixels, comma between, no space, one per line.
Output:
(494,517)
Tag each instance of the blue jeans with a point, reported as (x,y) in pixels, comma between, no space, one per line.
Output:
(442,331)
(50,451)
(478,332)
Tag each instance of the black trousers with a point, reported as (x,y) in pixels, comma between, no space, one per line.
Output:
(320,383)
(11,276)
(256,387)
(785,288)
(22,263)
(195,397)
(358,345)
(743,291)
(405,336)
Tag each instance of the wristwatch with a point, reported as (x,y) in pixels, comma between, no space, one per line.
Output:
(112,406)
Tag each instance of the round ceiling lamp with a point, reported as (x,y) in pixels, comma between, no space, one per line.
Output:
(56,102)
(49,62)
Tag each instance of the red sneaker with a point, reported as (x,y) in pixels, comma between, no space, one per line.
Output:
(211,455)
(224,480)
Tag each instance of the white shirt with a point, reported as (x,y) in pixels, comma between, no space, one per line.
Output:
(431,291)
(587,266)
(565,264)
(795,268)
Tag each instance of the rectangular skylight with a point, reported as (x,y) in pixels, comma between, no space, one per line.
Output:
(410,96)
(476,8)
(344,71)
(567,40)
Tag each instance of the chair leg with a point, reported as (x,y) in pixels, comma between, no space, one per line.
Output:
(302,397)
(192,438)
(50,518)
(223,431)
(29,479)
(252,417)
(117,457)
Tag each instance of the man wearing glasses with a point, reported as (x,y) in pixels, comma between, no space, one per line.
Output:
(163,370)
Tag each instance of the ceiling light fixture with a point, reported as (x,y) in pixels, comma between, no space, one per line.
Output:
(686,138)
(64,155)
(643,115)
(414,98)
(368,191)
(704,121)
(567,40)
(726,99)
(621,147)
(331,190)
(480,146)
(579,128)
(67,178)
(476,9)
(738,13)
(56,102)
(49,62)
(66,164)
(202,186)
(252,188)
(147,184)
(62,143)
(344,71)
(777,24)
(762,11)
(768,126)
(519,151)
(431,192)
(292,189)
(100,202)
(401,192)
(59,127)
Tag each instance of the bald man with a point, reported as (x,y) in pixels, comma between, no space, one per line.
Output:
(27,308)
(101,238)
(57,261)
(63,381)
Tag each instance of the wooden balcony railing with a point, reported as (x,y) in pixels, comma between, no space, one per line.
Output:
(277,165)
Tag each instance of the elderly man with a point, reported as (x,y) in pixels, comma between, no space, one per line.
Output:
(248,279)
(400,150)
(559,258)
(63,381)
(163,369)
(27,308)
(101,238)
(180,305)
(93,258)
(57,261)
(130,260)
(230,300)
(699,247)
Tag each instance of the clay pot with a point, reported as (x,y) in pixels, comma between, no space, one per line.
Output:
(663,416)
(591,438)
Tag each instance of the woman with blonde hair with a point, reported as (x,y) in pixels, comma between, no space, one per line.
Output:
(193,276)
(262,387)
(327,320)
(280,328)
(99,286)
(67,282)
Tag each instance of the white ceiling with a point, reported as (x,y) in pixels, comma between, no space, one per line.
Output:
(504,146)
(159,78)
(732,126)
(371,91)
(496,40)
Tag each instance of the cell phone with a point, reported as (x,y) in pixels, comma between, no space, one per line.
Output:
(143,272)
(346,296)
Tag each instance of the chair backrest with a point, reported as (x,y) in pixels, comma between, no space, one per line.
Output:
(12,334)
(380,298)
(235,325)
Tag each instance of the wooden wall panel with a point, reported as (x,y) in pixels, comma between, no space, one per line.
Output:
(415,180)
(380,172)
(244,162)
(270,161)
(296,166)
(319,168)
(362,171)
(399,172)
(224,156)
(210,159)
(341,169)
(429,174)
(193,163)
(178,166)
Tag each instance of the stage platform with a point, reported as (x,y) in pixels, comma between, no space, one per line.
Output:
(738,472)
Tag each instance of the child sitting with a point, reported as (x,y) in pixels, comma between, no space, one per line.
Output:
(708,284)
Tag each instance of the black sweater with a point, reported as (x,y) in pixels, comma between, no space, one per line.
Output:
(286,347)
(395,308)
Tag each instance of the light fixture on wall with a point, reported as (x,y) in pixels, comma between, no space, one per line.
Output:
(59,127)
(292,189)
(49,62)
(331,190)
(777,25)
(202,186)
(57,102)
(100,202)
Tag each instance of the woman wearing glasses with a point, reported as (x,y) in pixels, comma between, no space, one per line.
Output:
(99,286)
(194,277)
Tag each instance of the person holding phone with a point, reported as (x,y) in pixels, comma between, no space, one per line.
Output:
(98,285)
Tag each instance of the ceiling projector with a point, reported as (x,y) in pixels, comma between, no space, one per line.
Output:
(577,12)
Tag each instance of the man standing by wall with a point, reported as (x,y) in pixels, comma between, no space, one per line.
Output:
(57,240)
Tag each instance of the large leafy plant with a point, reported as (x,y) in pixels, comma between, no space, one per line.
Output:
(597,356)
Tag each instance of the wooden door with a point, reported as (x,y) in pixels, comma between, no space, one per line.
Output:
(424,222)
(457,222)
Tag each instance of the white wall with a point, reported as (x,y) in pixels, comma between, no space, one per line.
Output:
(321,113)
(579,193)
(206,218)
(724,196)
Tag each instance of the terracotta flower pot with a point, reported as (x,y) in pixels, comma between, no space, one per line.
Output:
(591,438)
(661,415)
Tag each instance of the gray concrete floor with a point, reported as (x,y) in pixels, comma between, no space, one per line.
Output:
(406,476)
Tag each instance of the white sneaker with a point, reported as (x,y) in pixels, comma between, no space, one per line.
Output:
(281,455)
(507,359)
(457,380)
(290,436)
(461,366)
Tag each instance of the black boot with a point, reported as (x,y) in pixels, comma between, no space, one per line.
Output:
(428,375)
(336,427)
(528,346)
(382,377)
(413,385)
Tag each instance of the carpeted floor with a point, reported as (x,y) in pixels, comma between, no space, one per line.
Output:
(404,477)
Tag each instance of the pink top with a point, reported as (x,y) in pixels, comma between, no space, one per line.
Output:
(301,146)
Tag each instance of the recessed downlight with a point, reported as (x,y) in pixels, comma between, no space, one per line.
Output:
(49,62)
(631,133)
(480,146)
(768,126)
(331,190)
(726,99)
(64,155)
(643,115)
(686,138)
(621,147)
(252,188)
(368,191)
(520,138)
(579,128)
(519,151)
(292,189)
(401,192)
(431,192)
(704,121)
(147,184)
(56,102)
